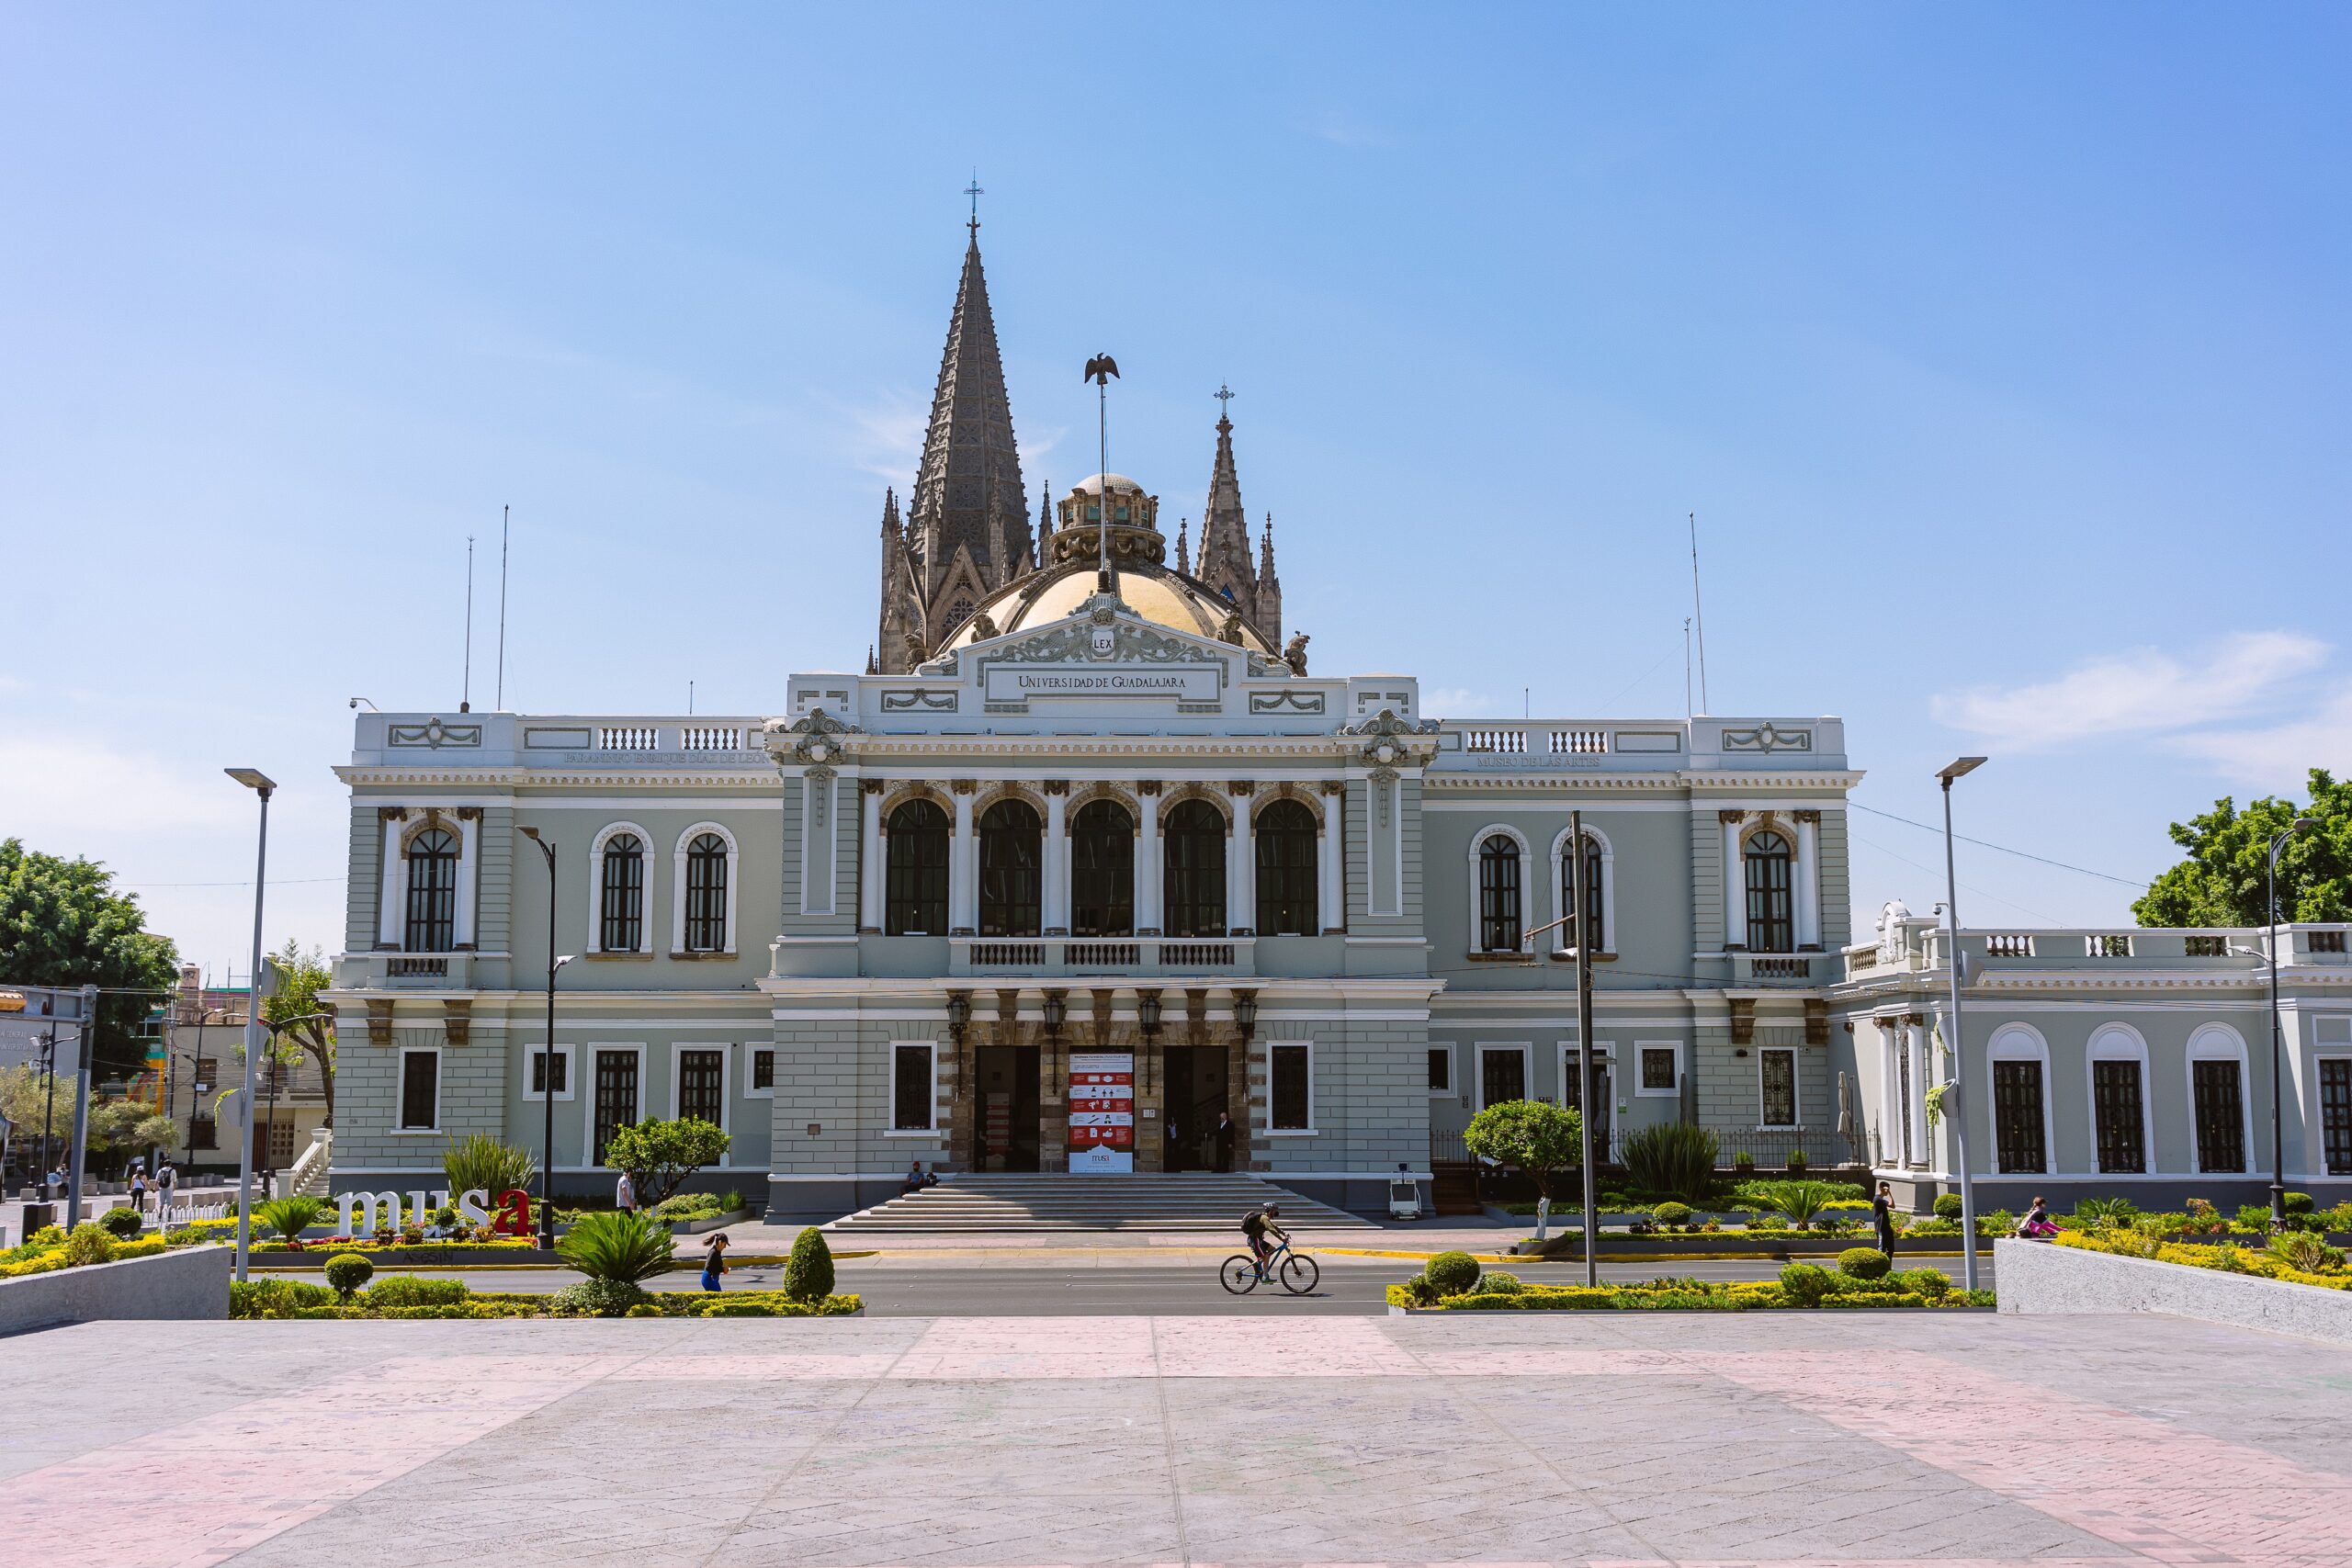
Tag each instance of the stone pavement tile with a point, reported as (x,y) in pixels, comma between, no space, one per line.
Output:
(1278,1347)
(971,1348)
(1251,1528)
(1340,1437)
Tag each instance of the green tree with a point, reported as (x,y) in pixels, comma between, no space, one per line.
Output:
(63,924)
(301,977)
(658,1155)
(2223,884)
(120,1129)
(1529,1134)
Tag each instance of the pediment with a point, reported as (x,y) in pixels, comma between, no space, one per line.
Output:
(1107,633)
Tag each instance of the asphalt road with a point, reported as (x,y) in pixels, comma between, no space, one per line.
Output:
(1034,1287)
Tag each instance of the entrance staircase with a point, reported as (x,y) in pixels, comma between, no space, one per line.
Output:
(1003,1203)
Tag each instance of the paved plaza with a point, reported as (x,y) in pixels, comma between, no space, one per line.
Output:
(1775,1440)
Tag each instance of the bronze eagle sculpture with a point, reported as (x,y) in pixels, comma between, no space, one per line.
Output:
(1100,369)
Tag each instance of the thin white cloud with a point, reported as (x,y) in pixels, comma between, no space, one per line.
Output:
(885,435)
(2279,757)
(1343,130)
(1456,702)
(63,791)
(2141,691)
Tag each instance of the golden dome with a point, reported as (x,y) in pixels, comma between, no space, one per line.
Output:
(1163,597)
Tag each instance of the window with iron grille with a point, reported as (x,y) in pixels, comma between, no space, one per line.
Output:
(2017,1143)
(1286,892)
(2336,1113)
(763,1069)
(1011,880)
(2115,1107)
(432,924)
(615,1098)
(1902,1093)
(1193,852)
(1771,926)
(1441,1069)
(1595,938)
(1657,1067)
(1290,1105)
(1778,1074)
(204,1133)
(911,1090)
(2221,1115)
(621,911)
(1595,1105)
(702,1080)
(420,1090)
(1498,908)
(1502,1076)
(1103,870)
(539,1070)
(707,894)
(916,893)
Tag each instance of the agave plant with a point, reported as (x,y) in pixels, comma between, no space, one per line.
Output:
(1799,1202)
(481,1162)
(289,1217)
(619,1248)
(2103,1214)
(1672,1159)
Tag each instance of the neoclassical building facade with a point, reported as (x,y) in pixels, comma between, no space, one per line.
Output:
(1084,859)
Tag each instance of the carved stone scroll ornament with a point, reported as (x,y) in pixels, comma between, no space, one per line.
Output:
(1766,738)
(1383,742)
(815,739)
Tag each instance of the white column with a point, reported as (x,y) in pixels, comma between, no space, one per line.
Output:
(392,910)
(1148,915)
(1808,879)
(869,859)
(1327,853)
(1915,1040)
(1240,867)
(1735,886)
(963,869)
(461,927)
(1055,863)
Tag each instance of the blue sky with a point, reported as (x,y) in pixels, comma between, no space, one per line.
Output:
(2001,351)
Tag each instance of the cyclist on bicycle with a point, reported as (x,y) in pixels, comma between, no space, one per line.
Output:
(1257,1225)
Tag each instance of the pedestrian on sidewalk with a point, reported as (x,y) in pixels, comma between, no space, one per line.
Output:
(167,1181)
(139,1191)
(625,1195)
(1882,1218)
(1225,1135)
(713,1259)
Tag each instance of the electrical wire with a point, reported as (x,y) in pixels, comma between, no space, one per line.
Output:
(1988,844)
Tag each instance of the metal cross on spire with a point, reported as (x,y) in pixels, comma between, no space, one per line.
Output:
(975,192)
(1223,395)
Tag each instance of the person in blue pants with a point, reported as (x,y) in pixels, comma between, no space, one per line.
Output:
(713,1259)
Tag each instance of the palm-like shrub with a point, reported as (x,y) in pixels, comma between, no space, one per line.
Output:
(1672,1158)
(624,1248)
(2307,1252)
(1799,1202)
(2098,1213)
(289,1217)
(482,1162)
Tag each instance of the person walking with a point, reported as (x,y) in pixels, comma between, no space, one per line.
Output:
(625,1195)
(1225,1135)
(167,1181)
(713,1259)
(1882,1218)
(139,1191)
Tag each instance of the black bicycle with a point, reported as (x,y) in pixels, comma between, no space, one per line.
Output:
(1242,1273)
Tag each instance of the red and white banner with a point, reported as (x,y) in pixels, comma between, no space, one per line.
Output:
(1102,1110)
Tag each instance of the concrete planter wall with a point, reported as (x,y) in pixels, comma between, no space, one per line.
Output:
(2036,1277)
(191,1282)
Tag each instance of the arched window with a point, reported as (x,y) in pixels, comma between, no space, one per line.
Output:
(1499,923)
(1194,858)
(1010,881)
(432,924)
(1770,911)
(620,908)
(915,902)
(1595,937)
(707,894)
(1286,901)
(1103,870)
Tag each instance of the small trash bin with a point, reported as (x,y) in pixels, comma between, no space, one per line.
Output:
(39,1214)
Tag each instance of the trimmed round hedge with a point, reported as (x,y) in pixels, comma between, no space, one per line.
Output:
(1947,1205)
(121,1223)
(347,1271)
(1672,1213)
(1453,1273)
(1864,1263)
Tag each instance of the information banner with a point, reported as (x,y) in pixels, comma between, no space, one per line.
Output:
(1102,1110)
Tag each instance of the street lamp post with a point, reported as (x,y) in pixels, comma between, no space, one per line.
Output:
(2278,1084)
(269,1170)
(1958,769)
(259,783)
(547,1060)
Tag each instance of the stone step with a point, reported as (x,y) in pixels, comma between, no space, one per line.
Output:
(1023,1201)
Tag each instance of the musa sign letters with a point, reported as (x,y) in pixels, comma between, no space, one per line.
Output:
(1019,682)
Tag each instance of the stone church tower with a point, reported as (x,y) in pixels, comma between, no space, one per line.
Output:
(967,530)
(1228,564)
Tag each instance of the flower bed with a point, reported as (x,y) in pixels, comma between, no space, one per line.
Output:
(2229,1259)
(50,1249)
(1453,1281)
(407,1298)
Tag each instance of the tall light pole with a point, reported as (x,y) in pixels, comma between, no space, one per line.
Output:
(2278,1084)
(1959,769)
(259,783)
(546,1067)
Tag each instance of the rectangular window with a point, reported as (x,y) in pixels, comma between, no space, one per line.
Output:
(763,1071)
(1657,1069)
(615,1098)
(1441,1069)
(1777,1071)
(281,1145)
(562,1072)
(1502,1074)
(2115,1104)
(2220,1116)
(2017,1118)
(420,1090)
(206,1133)
(701,1091)
(2336,1113)
(910,1094)
(1290,1102)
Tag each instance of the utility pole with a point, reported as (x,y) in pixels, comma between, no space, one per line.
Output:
(81,1106)
(1583,933)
